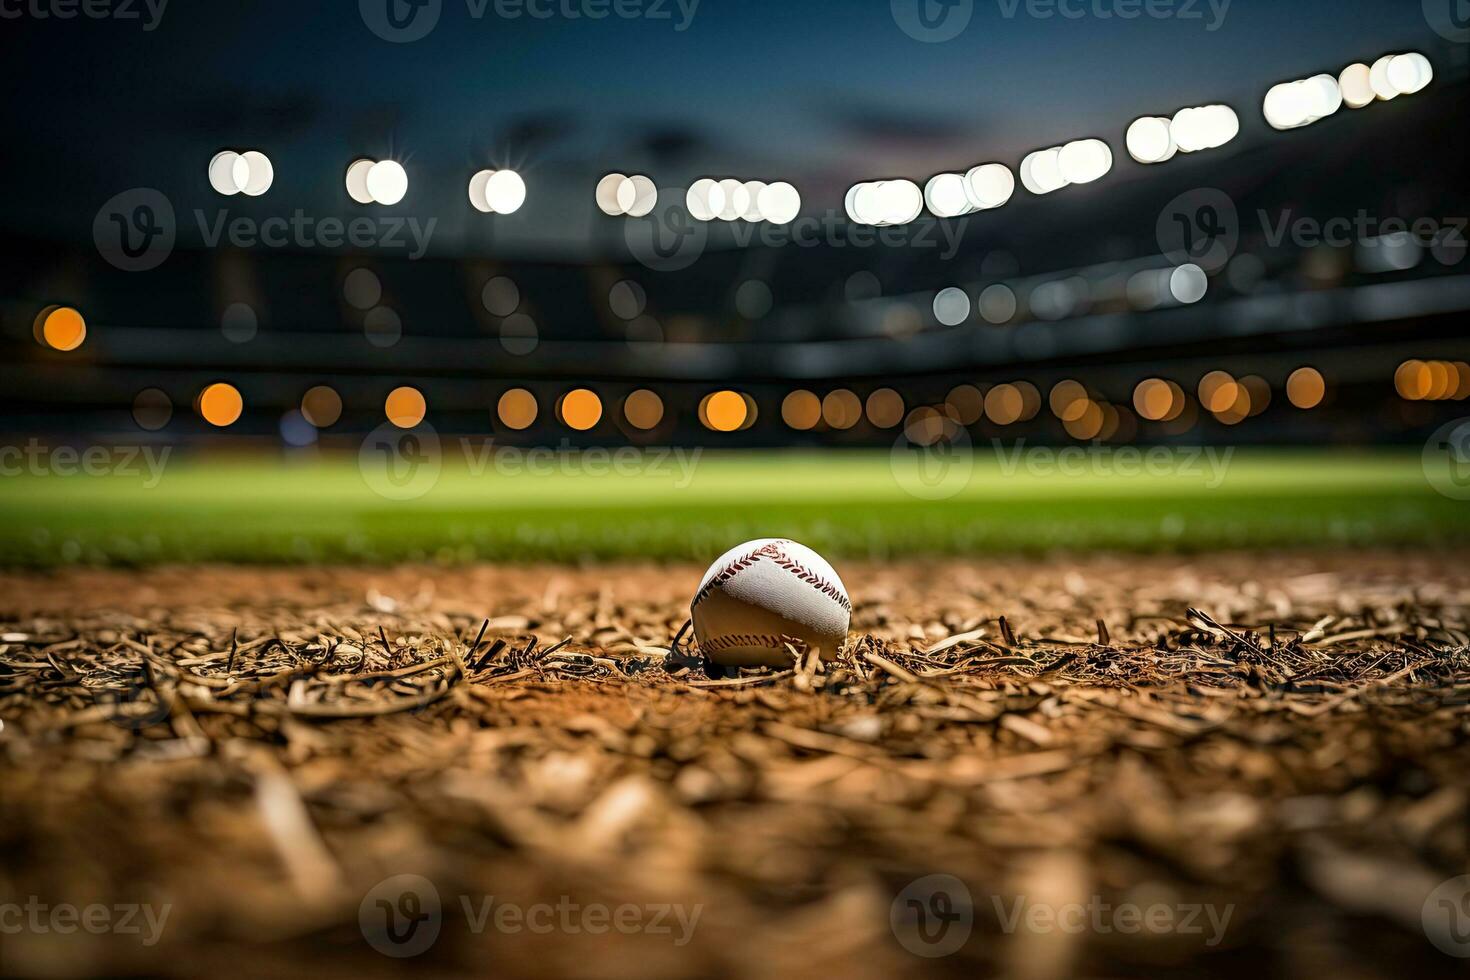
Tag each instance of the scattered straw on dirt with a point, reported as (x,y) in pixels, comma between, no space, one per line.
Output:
(1281,740)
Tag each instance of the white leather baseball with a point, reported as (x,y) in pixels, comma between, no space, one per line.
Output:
(764,594)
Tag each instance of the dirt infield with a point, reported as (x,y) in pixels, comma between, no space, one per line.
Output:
(1181,766)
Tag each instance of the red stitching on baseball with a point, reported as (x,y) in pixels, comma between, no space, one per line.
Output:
(764,640)
(774,552)
(813,579)
(735,566)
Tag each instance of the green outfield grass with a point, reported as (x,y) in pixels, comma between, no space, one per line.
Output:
(680,507)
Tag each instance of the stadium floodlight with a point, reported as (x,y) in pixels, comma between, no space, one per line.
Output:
(945,196)
(1078,162)
(705,199)
(477,191)
(607,194)
(357,188)
(386,182)
(884,202)
(505,192)
(1290,105)
(1409,73)
(1150,139)
(249,173)
(752,212)
(989,185)
(779,202)
(737,200)
(228,172)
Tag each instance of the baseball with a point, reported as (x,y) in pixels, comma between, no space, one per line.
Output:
(758,597)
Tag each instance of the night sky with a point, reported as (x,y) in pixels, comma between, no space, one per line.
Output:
(818,93)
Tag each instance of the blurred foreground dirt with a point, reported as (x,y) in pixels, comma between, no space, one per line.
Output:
(1183,767)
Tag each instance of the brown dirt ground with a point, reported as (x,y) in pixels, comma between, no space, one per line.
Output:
(258,749)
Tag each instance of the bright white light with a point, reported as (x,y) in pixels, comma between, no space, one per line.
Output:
(387,182)
(1353,83)
(1083,161)
(1324,97)
(259,173)
(945,196)
(1188,283)
(1409,73)
(477,191)
(753,190)
(1205,127)
(223,174)
(1224,124)
(951,306)
(885,202)
(357,187)
(1378,79)
(609,194)
(862,203)
(643,193)
(1300,103)
(1041,171)
(505,191)
(705,200)
(737,199)
(1150,140)
(899,201)
(989,185)
(1293,104)
(779,202)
